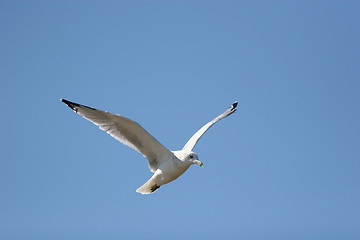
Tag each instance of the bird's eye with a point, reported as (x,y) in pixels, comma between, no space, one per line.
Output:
(191,156)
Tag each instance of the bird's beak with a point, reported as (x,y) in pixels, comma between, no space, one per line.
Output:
(199,163)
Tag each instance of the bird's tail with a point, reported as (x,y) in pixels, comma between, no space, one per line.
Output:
(149,187)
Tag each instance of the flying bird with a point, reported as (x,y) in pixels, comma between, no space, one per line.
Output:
(166,165)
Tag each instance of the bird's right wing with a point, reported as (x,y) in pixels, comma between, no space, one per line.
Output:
(126,131)
(195,138)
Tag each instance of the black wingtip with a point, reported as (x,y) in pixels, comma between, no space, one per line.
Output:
(72,105)
(69,104)
(75,106)
(64,100)
(234,105)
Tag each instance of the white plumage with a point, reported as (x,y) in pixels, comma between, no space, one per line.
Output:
(166,165)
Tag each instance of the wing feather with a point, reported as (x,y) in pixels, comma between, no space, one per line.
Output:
(195,138)
(126,131)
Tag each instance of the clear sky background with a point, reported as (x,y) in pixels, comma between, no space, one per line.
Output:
(286,165)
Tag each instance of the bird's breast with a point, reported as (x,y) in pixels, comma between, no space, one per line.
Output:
(171,170)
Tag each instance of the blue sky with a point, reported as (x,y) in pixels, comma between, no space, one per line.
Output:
(284,166)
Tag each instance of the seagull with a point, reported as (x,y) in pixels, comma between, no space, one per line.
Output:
(166,165)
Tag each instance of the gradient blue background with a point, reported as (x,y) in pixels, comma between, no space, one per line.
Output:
(285,166)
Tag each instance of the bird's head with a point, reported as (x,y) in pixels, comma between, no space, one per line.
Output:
(188,157)
(193,158)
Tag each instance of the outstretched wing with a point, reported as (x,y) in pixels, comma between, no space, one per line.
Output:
(126,131)
(195,138)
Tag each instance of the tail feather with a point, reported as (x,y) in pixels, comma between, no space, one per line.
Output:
(149,187)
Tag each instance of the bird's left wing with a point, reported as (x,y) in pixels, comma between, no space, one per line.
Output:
(195,138)
(126,131)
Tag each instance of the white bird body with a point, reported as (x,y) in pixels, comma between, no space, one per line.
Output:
(167,172)
(171,169)
(166,165)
